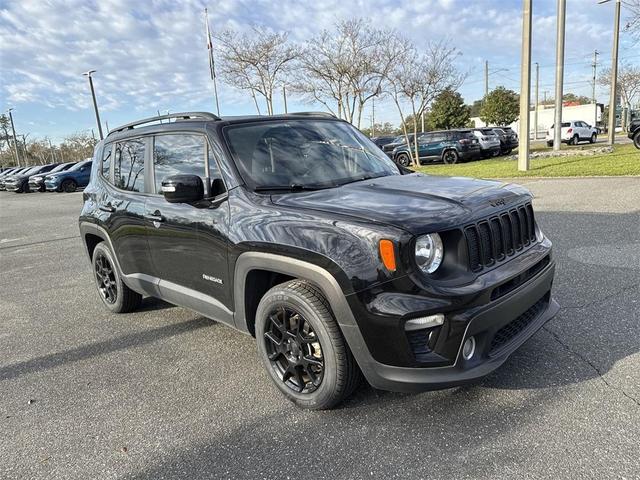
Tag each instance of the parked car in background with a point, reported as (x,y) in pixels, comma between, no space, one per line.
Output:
(489,142)
(396,142)
(634,132)
(381,141)
(9,174)
(448,146)
(508,139)
(573,132)
(69,180)
(338,262)
(19,183)
(8,171)
(36,182)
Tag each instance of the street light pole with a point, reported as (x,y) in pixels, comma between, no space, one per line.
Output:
(95,104)
(15,139)
(557,131)
(525,86)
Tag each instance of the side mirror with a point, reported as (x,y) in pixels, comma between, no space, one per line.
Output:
(183,188)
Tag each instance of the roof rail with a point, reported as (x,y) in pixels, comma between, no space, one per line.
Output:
(177,116)
(314,114)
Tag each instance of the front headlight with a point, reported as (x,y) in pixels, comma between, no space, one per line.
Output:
(429,252)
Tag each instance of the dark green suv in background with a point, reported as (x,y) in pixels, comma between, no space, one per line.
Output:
(448,146)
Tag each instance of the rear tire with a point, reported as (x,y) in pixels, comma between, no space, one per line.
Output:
(575,140)
(115,295)
(302,347)
(549,144)
(450,157)
(69,186)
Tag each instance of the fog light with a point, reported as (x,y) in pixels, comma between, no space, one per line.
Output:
(469,348)
(424,322)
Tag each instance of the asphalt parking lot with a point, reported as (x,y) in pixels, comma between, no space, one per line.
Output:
(165,393)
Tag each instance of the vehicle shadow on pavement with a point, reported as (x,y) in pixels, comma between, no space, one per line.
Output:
(151,304)
(91,350)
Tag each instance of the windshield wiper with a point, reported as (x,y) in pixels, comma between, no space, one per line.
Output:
(362,179)
(294,187)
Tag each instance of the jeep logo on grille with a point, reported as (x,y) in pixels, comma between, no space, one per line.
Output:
(498,203)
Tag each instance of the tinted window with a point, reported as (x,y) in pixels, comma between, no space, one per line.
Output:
(180,154)
(106,160)
(128,165)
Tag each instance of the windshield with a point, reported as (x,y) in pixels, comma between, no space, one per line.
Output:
(304,154)
(62,166)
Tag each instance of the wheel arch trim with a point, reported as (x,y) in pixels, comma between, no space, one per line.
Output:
(312,273)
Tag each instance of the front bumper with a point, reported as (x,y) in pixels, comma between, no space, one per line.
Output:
(14,186)
(51,186)
(33,186)
(499,327)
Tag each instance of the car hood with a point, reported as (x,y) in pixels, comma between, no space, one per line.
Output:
(54,175)
(417,203)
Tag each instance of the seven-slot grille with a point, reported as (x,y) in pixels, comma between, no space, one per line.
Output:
(494,239)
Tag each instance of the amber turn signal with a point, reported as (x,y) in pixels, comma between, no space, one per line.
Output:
(388,254)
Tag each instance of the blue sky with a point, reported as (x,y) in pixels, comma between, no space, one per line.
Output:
(151,55)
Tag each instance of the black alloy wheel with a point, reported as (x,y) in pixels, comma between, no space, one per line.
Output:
(450,157)
(106,279)
(69,186)
(294,350)
(404,160)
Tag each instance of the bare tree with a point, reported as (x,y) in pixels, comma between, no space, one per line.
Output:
(628,86)
(257,61)
(633,21)
(345,68)
(416,79)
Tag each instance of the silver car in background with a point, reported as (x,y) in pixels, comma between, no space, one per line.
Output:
(489,142)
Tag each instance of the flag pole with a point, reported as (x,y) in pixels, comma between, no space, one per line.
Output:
(212,65)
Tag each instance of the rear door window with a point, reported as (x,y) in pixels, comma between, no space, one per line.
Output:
(128,165)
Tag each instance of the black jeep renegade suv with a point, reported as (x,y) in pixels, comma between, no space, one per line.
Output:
(298,230)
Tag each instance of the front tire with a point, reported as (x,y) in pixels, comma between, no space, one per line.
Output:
(636,139)
(593,138)
(115,295)
(302,347)
(403,159)
(69,186)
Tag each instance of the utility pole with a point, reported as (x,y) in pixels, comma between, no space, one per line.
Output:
(212,65)
(525,86)
(535,111)
(95,104)
(593,94)
(15,140)
(284,95)
(486,78)
(614,73)
(557,132)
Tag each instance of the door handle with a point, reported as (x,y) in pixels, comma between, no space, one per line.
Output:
(154,218)
(107,208)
